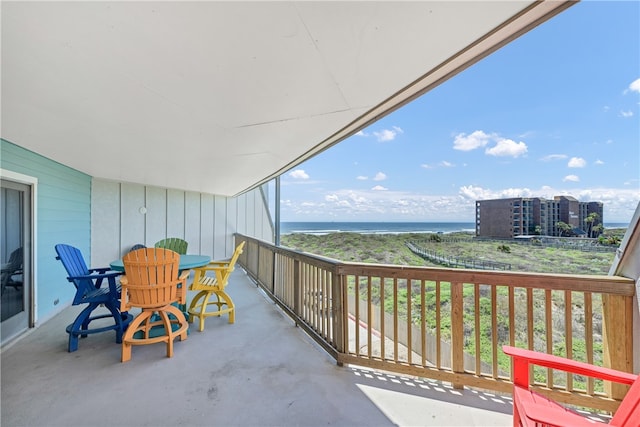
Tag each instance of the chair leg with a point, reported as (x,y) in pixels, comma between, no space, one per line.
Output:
(197,308)
(222,295)
(80,323)
(167,328)
(118,319)
(131,330)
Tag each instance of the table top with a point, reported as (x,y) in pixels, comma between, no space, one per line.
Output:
(187,262)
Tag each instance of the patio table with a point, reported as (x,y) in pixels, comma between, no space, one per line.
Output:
(187,262)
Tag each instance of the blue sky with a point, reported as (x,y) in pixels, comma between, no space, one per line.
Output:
(555,112)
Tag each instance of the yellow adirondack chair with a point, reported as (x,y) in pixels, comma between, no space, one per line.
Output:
(210,286)
(151,283)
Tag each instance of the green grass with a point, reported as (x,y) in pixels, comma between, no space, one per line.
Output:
(392,249)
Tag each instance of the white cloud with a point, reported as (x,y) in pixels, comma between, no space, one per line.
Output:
(379,188)
(626,114)
(503,147)
(446,164)
(635,86)
(388,134)
(577,162)
(426,166)
(552,157)
(387,205)
(464,142)
(362,178)
(299,174)
(599,162)
(361,133)
(507,148)
(478,193)
(571,178)
(380,176)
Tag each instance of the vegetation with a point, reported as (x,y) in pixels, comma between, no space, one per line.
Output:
(392,249)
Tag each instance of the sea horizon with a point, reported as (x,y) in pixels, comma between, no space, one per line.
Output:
(373,227)
(387,227)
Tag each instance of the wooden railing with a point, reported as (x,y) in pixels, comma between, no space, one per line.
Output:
(450,324)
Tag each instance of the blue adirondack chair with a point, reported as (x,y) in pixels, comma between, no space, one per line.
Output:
(90,290)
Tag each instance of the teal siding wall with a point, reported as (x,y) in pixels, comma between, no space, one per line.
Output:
(63,216)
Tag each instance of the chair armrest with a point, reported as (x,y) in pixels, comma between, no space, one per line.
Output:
(99,270)
(568,365)
(95,276)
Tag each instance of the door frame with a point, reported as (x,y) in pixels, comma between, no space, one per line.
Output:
(32,182)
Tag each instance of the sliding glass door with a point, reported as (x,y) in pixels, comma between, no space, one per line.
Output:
(15,256)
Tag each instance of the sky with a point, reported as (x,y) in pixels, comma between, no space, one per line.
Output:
(555,112)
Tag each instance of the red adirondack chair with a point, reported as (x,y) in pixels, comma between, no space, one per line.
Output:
(533,409)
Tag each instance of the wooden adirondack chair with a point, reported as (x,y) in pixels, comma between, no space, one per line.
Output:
(173,243)
(213,286)
(151,283)
(533,409)
(89,290)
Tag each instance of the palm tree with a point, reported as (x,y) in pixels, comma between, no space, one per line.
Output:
(564,228)
(589,220)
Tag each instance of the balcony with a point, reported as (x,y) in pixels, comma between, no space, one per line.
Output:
(266,370)
(262,370)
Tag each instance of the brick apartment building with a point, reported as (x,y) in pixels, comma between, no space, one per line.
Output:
(508,218)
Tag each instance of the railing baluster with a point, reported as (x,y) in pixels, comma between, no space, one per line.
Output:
(476,304)
(588,332)
(568,334)
(438,328)
(383,319)
(369,318)
(548,320)
(423,323)
(494,331)
(395,319)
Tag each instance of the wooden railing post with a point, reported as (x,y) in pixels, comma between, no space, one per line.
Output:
(617,338)
(457,330)
(297,297)
(337,307)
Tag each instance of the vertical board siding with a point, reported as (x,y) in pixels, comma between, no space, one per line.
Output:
(132,227)
(175,213)
(64,216)
(205,221)
(192,215)
(156,217)
(232,226)
(105,212)
(220,227)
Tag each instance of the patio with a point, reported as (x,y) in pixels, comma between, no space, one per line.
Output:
(262,370)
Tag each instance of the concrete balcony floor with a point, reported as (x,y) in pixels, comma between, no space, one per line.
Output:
(260,371)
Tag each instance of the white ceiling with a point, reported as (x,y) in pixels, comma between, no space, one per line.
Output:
(218,97)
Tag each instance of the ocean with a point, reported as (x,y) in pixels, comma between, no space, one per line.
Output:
(375,227)
(387,227)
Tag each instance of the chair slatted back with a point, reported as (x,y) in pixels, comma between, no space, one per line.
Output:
(151,277)
(174,243)
(74,263)
(234,257)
